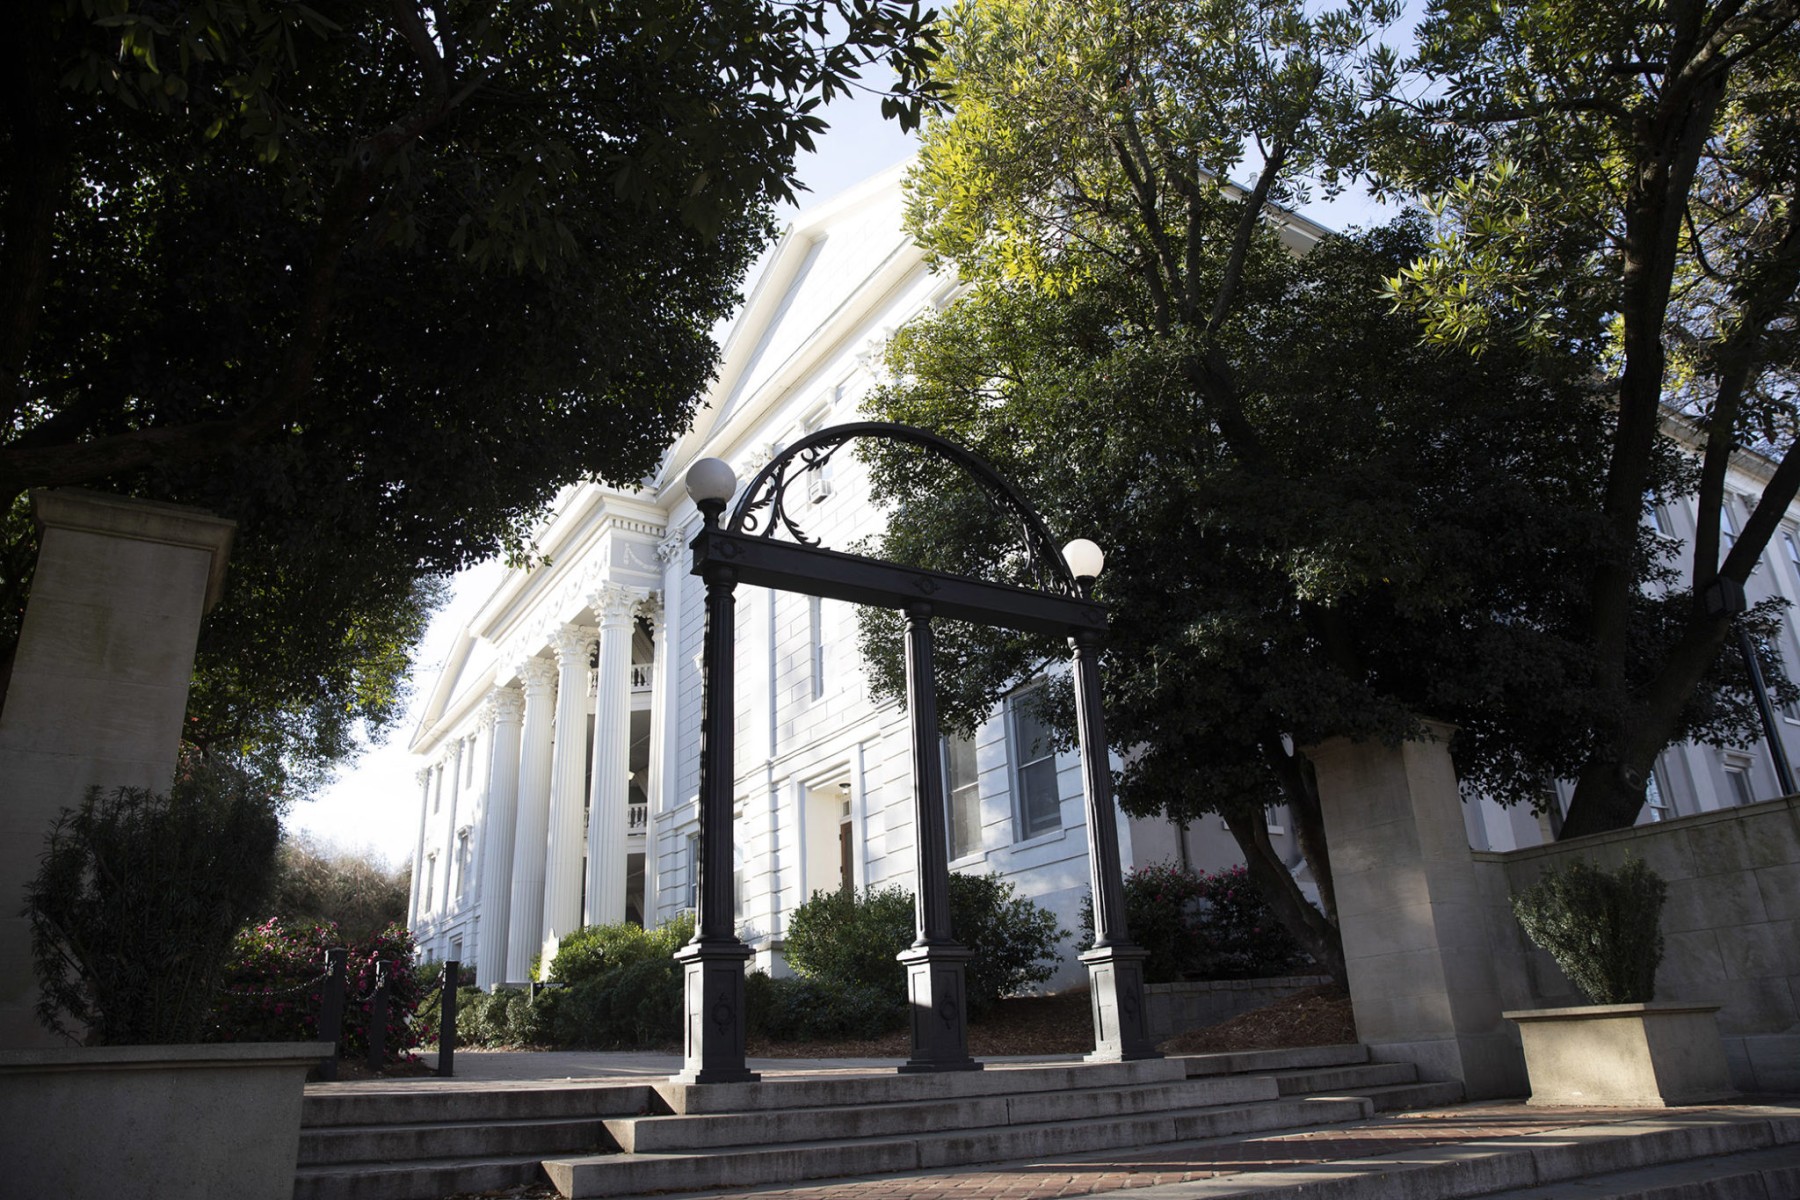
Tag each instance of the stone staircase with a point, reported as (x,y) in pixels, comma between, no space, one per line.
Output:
(616,1139)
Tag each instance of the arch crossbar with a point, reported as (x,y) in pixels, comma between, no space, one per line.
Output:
(763,509)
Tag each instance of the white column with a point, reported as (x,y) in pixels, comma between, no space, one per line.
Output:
(423,776)
(612,755)
(656,771)
(453,768)
(525,926)
(497,829)
(562,854)
(481,742)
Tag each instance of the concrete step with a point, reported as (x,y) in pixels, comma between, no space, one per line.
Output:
(1401,1097)
(1336,1079)
(359,1104)
(843,1091)
(632,1174)
(423,1180)
(1702,1154)
(664,1134)
(1300,1058)
(452,1139)
(1772,1174)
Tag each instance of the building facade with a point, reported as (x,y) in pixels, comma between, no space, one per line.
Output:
(561,738)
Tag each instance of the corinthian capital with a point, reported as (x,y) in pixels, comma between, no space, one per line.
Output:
(505,705)
(573,642)
(539,674)
(615,603)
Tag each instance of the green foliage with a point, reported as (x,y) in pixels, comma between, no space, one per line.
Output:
(1200,925)
(136,902)
(481,1017)
(818,1009)
(375,281)
(852,938)
(1624,179)
(351,890)
(272,988)
(635,1005)
(593,950)
(1603,928)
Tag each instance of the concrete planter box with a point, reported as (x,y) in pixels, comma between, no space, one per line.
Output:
(1624,1055)
(155,1122)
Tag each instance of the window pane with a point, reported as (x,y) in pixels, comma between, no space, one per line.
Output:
(962,781)
(1040,807)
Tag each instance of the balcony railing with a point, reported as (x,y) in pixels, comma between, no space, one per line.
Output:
(637,818)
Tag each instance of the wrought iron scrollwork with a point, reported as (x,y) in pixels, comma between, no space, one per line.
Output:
(764,508)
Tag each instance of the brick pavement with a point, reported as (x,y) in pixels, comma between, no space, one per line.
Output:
(1113,1171)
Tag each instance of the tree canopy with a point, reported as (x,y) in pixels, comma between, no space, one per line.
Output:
(377,277)
(1318,523)
(1626,176)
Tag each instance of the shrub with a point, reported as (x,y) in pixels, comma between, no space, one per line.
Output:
(1200,926)
(481,1016)
(272,988)
(634,1006)
(134,907)
(853,938)
(529,1020)
(594,949)
(811,1010)
(1602,927)
(431,975)
(318,882)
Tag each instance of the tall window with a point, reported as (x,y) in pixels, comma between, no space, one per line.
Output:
(462,864)
(1793,554)
(430,883)
(693,871)
(1727,526)
(1737,781)
(1040,808)
(964,786)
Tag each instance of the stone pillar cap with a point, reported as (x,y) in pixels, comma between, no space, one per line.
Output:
(141,520)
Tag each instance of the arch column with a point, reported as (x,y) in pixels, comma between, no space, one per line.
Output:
(497,835)
(606,854)
(525,924)
(562,848)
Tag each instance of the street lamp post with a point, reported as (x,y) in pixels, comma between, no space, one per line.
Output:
(713,963)
(1115,965)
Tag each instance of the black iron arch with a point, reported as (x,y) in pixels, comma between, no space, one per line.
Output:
(763,507)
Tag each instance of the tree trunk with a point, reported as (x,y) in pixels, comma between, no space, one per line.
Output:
(1316,935)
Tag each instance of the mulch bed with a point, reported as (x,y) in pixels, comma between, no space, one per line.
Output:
(1319,1016)
(1063,1024)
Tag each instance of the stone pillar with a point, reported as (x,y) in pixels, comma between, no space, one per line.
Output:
(1421,973)
(615,607)
(497,830)
(525,924)
(99,684)
(562,854)
(423,777)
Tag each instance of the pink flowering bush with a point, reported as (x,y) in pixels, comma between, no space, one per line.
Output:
(1200,925)
(273,987)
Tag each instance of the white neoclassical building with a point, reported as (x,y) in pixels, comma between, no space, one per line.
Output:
(561,737)
(560,740)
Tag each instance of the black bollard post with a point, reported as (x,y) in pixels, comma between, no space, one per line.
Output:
(331,1011)
(378,1015)
(447,1020)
